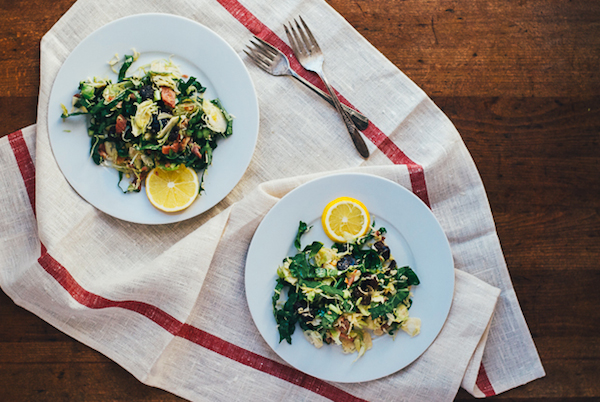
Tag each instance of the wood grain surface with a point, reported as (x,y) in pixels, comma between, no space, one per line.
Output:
(521,82)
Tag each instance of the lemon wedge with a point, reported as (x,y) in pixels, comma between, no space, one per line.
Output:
(345,219)
(172,190)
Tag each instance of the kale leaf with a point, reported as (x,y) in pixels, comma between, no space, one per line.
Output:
(412,278)
(390,305)
(128,62)
(286,317)
(302,228)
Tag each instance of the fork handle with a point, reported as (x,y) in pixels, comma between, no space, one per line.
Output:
(360,121)
(358,141)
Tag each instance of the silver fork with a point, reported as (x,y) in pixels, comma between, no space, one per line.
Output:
(309,54)
(273,61)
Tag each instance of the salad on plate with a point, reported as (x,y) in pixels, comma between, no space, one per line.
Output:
(344,293)
(155,118)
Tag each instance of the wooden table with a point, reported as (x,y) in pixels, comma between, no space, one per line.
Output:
(521,82)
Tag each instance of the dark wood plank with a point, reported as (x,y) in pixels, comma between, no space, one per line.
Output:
(22,26)
(532,151)
(72,381)
(17,112)
(483,48)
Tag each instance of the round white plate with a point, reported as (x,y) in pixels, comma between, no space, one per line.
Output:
(199,52)
(415,239)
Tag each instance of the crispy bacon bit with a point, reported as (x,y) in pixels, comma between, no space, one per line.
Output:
(175,147)
(343,325)
(102,151)
(196,150)
(168,96)
(120,124)
(352,277)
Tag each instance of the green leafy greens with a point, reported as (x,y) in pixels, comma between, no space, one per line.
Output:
(342,294)
(155,117)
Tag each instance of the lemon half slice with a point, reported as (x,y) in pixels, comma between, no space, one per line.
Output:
(172,190)
(345,219)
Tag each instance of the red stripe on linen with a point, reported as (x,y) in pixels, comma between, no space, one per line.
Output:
(483,382)
(265,365)
(373,133)
(25,164)
(195,335)
(93,301)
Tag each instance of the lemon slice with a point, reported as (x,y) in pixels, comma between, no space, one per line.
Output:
(345,219)
(172,190)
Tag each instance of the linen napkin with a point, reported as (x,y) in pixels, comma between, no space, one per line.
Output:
(167,302)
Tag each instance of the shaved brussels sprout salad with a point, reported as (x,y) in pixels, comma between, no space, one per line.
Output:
(343,294)
(157,117)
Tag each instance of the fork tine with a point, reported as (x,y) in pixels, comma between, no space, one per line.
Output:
(310,35)
(264,50)
(297,44)
(261,63)
(290,38)
(252,56)
(266,46)
(306,41)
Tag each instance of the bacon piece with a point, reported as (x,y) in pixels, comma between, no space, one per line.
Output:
(120,124)
(168,96)
(175,147)
(196,150)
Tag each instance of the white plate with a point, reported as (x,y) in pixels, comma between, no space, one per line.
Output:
(200,53)
(415,239)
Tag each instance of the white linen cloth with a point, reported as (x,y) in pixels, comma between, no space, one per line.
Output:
(167,302)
